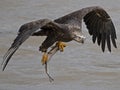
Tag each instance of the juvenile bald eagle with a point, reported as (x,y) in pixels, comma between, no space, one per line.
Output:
(65,29)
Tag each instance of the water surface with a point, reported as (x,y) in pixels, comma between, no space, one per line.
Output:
(80,67)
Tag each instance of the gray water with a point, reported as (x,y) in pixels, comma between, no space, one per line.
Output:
(79,67)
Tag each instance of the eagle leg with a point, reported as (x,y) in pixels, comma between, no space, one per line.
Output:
(44,58)
(61,45)
(47,56)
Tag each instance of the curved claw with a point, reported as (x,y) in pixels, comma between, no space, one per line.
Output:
(61,45)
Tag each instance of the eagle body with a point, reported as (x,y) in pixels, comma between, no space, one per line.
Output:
(68,28)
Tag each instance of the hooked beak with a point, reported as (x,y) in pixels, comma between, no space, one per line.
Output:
(79,38)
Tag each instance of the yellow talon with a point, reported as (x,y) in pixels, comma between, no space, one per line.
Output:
(44,58)
(61,45)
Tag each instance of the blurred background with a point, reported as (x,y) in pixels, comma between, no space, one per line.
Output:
(79,67)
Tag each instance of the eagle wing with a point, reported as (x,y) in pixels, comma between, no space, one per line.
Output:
(98,22)
(24,33)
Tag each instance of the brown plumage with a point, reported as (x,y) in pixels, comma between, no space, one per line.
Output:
(68,28)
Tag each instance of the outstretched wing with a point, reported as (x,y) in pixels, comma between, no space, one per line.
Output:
(25,32)
(75,16)
(98,22)
(101,27)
